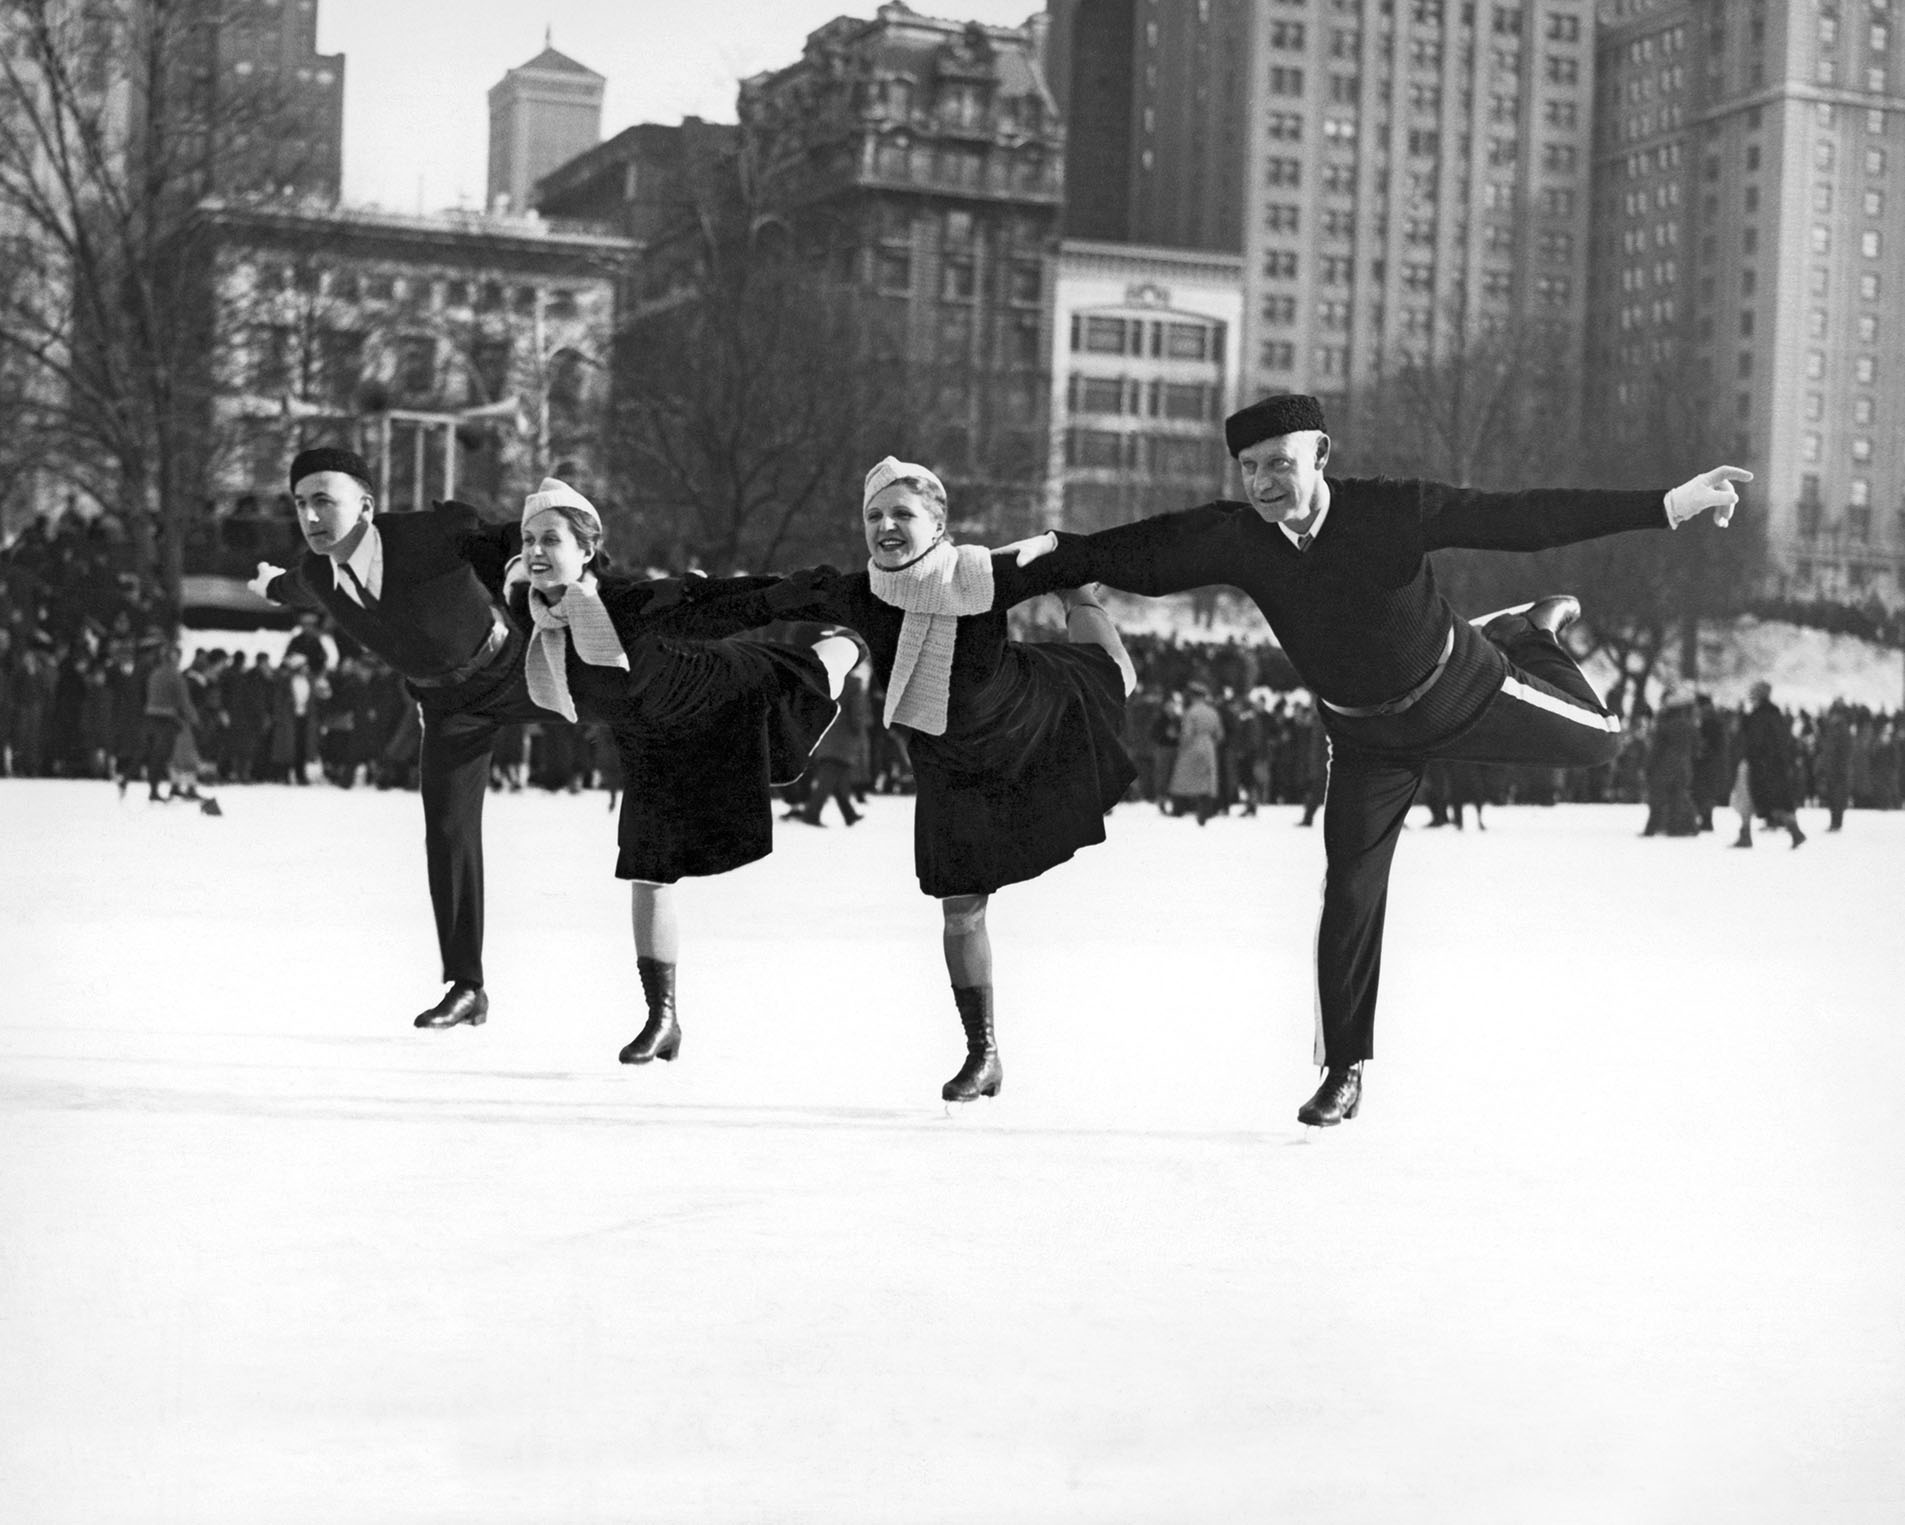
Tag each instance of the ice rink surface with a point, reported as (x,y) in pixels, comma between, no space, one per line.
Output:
(1619,1236)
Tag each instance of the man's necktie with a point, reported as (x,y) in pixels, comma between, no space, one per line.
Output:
(1302,544)
(363,593)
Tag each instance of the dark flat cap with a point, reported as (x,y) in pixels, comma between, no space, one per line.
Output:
(1284,414)
(328,458)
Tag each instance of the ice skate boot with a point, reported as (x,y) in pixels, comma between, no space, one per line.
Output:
(462,1002)
(1337,1100)
(661,1038)
(982,1073)
(1553,614)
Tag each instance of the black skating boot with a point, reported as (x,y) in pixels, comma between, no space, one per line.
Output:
(982,1073)
(661,1038)
(1336,1100)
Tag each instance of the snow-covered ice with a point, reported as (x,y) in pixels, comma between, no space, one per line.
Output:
(1619,1236)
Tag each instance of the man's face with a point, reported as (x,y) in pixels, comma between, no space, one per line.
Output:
(1283,476)
(332,506)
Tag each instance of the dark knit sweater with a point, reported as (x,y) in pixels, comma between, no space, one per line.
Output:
(1358,613)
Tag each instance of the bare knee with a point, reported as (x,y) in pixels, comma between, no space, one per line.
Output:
(964,913)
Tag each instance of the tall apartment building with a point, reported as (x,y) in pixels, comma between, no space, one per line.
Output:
(1750,222)
(1417,177)
(267,60)
(541,115)
(1155,95)
(924,159)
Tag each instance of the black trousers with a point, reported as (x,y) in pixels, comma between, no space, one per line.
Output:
(161,735)
(1545,712)
(459,734)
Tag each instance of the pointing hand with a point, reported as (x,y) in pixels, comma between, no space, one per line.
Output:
(1711,489)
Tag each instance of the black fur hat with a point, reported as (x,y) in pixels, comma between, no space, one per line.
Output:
(328,458)
(1273,416)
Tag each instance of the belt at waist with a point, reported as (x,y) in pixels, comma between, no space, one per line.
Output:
(1401,702)
(493,643)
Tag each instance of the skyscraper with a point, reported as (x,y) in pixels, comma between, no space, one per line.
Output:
(1416,181)
(268,63)
(1156,102)
(541,115)
(1749,223)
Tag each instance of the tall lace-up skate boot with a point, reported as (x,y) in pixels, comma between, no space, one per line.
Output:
(982,1073)
(661,1038)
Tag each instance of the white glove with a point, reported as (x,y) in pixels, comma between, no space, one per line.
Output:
(1029,551)
(266,571)
(1711,489)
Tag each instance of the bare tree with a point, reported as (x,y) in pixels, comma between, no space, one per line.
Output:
(113,130)
(751,404)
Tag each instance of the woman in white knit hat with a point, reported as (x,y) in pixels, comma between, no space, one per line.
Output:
(1015,748)
(704,729)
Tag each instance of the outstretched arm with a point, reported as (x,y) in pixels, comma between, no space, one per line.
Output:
(1541,518)
(1169,553)
(732,605)
(277,586)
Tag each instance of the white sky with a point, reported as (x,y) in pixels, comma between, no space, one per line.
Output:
(417,75)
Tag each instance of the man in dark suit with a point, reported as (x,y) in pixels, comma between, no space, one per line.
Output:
(424,592)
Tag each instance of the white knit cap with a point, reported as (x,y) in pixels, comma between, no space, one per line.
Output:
(890,471)
(555,494)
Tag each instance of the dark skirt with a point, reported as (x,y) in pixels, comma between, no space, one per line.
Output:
(1025,773)
(707,732)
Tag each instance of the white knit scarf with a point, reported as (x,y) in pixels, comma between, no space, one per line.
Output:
(945,583)
(580,618)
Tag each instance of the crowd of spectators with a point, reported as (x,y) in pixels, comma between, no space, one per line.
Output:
(81,635)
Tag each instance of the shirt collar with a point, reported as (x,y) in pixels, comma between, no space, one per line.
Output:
(1316,527)
(366,560)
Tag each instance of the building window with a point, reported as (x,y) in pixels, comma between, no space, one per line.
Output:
(1281,171)
(1563,71)
(1187,341)
(1821,240)
(1809,445)
(1559,157)
(1280,311)
(1869,243)
(1025,284)
(1865,370)
(1278,355)
(1095,448)
(1868,328)
(1095,394)
(1280,217)
(1280,264)
(1105,336)
(1286,127)
(1186,400)
(1864,410)
(1861,449)
(1815,364)
(893,272)
(958,280)
(415,376)
(1284,81)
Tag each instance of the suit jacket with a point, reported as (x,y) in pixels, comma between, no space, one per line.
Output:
(442,588)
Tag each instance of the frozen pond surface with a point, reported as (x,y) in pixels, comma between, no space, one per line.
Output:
(1618,1237)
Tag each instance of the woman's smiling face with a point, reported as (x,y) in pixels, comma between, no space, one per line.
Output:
(552,555)
(902,523)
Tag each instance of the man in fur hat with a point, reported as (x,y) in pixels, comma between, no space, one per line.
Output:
(1340,568)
